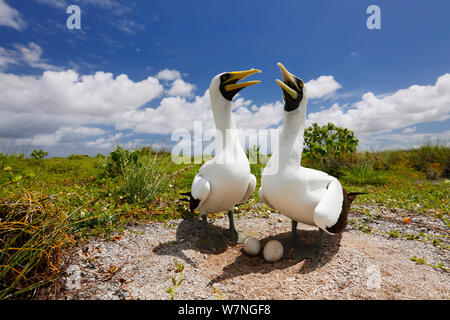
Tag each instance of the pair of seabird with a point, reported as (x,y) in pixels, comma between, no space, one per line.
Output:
(302,194)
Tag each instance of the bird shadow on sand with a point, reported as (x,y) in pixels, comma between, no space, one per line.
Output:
(245,264)
(188,232)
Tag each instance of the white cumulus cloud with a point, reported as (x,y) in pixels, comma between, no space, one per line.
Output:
(168,75)
(67,134)
(55,99)
(321,87)
(405,107)
(64,109)
(181,88)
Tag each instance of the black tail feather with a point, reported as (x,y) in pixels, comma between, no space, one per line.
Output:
(193,203)
(352,195)
(342,221)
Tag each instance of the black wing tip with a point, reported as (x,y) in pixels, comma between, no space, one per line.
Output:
(352,195)
(193,203)
(342,221)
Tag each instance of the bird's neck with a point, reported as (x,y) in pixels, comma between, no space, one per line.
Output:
(225,125)
(223,116)
(292,137)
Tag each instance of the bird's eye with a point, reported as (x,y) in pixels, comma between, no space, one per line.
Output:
(301,84)
(224,77)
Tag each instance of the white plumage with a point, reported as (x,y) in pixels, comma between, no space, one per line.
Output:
(302,194)
(224,181)
(305,195)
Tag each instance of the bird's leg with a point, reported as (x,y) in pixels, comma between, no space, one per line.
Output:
(313,252)
(209,241)
(293,240)
(232,234)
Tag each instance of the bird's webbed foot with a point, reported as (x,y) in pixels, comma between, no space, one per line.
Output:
(303,252)
(211,242)
(234,235)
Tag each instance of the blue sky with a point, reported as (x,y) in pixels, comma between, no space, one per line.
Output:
(391,86)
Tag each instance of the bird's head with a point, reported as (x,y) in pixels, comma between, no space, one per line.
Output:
(294,92)
(227,83)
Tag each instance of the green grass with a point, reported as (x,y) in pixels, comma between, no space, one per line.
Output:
(72,199)
(363,174)
(33,233)
(407,189)
(144,181)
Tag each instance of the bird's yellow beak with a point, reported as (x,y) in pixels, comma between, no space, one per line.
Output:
(287,77)
(239,75)
(288,90)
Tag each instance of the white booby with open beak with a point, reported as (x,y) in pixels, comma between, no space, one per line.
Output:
(224,181)
(305,195)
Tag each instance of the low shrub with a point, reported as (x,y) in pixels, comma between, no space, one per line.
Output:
(433,160)
(117,160)
(38,154)
(141,174)
(142,181)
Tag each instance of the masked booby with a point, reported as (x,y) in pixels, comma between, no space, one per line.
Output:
(224,181)
(304,195)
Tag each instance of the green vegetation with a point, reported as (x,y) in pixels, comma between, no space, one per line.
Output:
(50,205)
(179,268)
(39,154)
(32,235)
(328,140)
(363,174)
(140,174)
(422,261)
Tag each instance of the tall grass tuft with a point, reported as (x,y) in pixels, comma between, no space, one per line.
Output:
(363,174)
(33,232)
(142,181)
(142,174)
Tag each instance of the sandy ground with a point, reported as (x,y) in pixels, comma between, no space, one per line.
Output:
(355,265)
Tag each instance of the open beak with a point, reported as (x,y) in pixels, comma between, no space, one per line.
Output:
(239,75)
(287,78)
(287,90)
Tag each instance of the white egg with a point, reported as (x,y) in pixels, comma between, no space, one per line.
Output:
(273,251)
(251,246)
